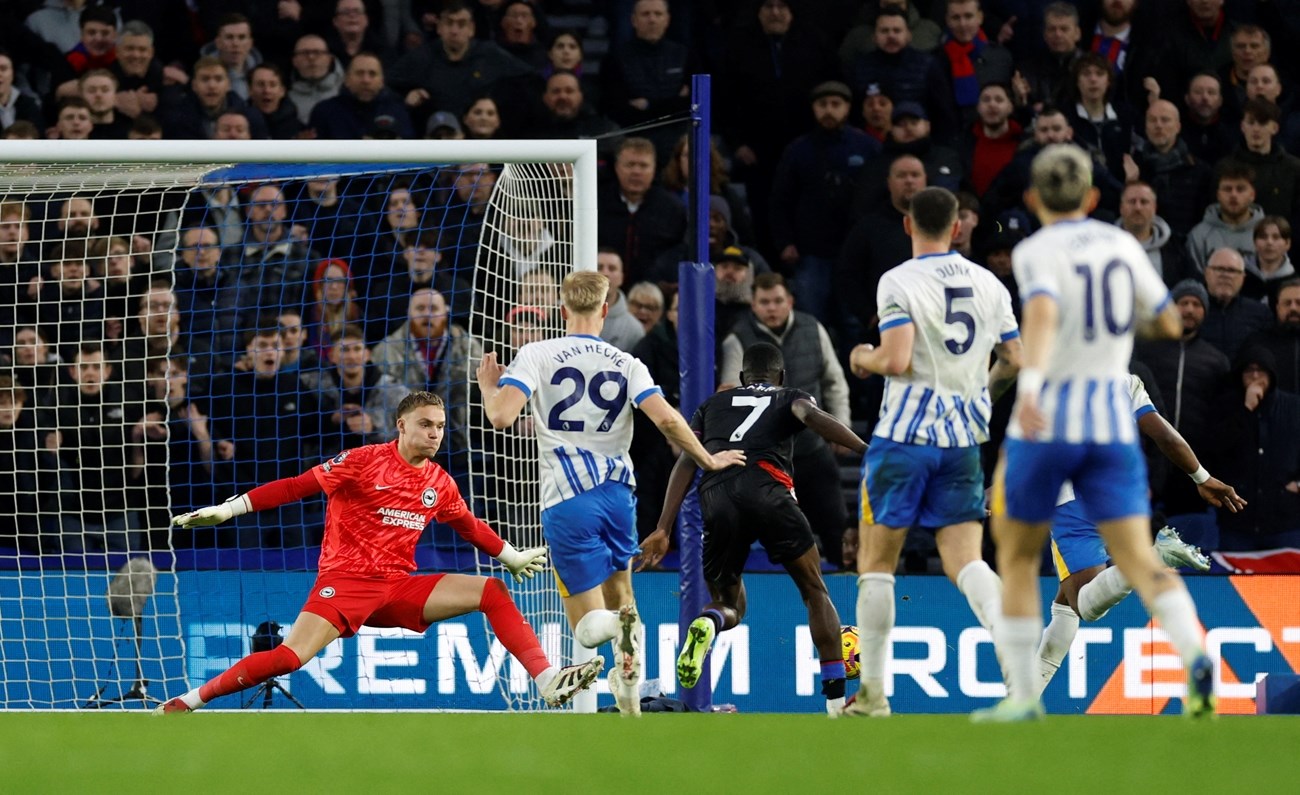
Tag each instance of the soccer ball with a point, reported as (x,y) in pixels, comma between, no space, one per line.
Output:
(849,642)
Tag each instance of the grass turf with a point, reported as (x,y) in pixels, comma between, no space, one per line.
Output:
(690,754)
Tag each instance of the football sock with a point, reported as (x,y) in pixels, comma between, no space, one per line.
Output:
(253,670)
(833,679)
(1017,637)
(1056,642)
(719,621)
(875,620)
(597,627)
(983,590)
(1104,592)
(511,627)
(1176,613)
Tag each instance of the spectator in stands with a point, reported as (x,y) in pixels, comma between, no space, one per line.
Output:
(992,141)
(637,217)
(646,302)
(1209,136)
(14,104)
(909,134)
(1231,317)
(98,87)
(141,78)
(482,120)
(334,305)
(761,94)
(733,294)
(19,266)
(429,352)
(518,33)
(444,126)
(70,304)
(1271,266)
(900,70)
(569,115)
(273,265)
(813,366)
(462,223)
(1197,41)
(1250,47)
(28,472)
(861,38)
(1188,373)
(651,454)
(74,123)
(153,333)
(76,219)
(89,439)
(1166,250)
(1282,339)
(1277,172)
(194,115)
(449,71)
(267,93)
(527,324)
(968,214)
(1255,428)
(233,47)
(361,103)
(812,195)
(321,216)
(352,32)
(232,125)
(59,22)
(966,61)
(361,404)
(621,329)
(877,113)
(317,75)
(1231,220)
(1048,74)
(262,418)
(111,262)
(295,355)
(677,178)
(1101,126)
(418,265)
(1182,183)
(97,45)
(145,128)
(648,77)
(1266,83)
(721,236)
(35,364)
(207,296)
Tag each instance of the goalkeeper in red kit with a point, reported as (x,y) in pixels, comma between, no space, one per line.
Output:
(381,497)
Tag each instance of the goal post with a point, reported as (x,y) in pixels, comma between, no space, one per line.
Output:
(110,328)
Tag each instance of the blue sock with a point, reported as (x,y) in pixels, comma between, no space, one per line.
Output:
(715,616)
(833,679)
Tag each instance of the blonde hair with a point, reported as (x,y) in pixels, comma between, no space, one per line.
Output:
(1062,175)
(584,292)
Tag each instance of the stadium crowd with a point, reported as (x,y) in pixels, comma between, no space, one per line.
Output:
(146,367)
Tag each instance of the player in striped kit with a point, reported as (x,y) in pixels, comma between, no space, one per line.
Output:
(581,388)
(941,316)
(1085,286)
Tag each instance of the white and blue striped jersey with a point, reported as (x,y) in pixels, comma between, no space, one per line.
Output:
(961,311)
(1141,404)
(582,390)
(1103,285)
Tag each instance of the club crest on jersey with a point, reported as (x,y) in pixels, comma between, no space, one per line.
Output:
(326,592)
(338,459)
(429,498)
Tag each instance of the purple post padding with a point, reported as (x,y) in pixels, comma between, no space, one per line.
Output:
(1278,694)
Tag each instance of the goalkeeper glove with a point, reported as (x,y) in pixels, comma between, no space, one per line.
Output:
(215,514)
(522,562)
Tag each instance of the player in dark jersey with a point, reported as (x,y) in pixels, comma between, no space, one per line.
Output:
(741,504)
(381,497)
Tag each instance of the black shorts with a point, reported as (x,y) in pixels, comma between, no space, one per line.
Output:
(751,506)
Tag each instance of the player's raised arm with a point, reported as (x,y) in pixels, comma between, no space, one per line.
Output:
(1176,449)
(827,426)
(501,403)
(270,495)
(673,425)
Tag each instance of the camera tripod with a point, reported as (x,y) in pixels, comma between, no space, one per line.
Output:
(139,689)
(266,690)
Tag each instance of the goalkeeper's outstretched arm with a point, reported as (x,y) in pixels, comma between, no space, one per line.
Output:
(270,495)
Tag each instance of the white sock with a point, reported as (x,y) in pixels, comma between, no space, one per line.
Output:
(544,678)
(1176,613)
(192,699)
(1105,591)
(597,627)
(983,590)
(1017,637)
(1056,642)
(875,620)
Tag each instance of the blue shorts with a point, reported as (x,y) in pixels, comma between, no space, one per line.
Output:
(591,536)
(1110,480)
(906,485)
(1076,544)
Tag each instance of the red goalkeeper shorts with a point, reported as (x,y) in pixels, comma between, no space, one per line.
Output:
(347,601)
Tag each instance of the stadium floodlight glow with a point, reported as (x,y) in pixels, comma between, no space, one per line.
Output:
(493,241)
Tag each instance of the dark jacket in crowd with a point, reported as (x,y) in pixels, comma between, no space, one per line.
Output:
(1282,340)
(813,191)
(1183,184)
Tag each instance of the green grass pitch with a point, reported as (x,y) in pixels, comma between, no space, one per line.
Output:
(678,754)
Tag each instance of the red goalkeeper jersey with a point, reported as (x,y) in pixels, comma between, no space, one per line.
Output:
(378,507)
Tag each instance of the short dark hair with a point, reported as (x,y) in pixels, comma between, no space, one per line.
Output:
(352,331)
(1261,111)
(933,211)
(1282,224)
(419,399)
(1233,169)
(145,124)
(770,280)
(763,363)
(100,14)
